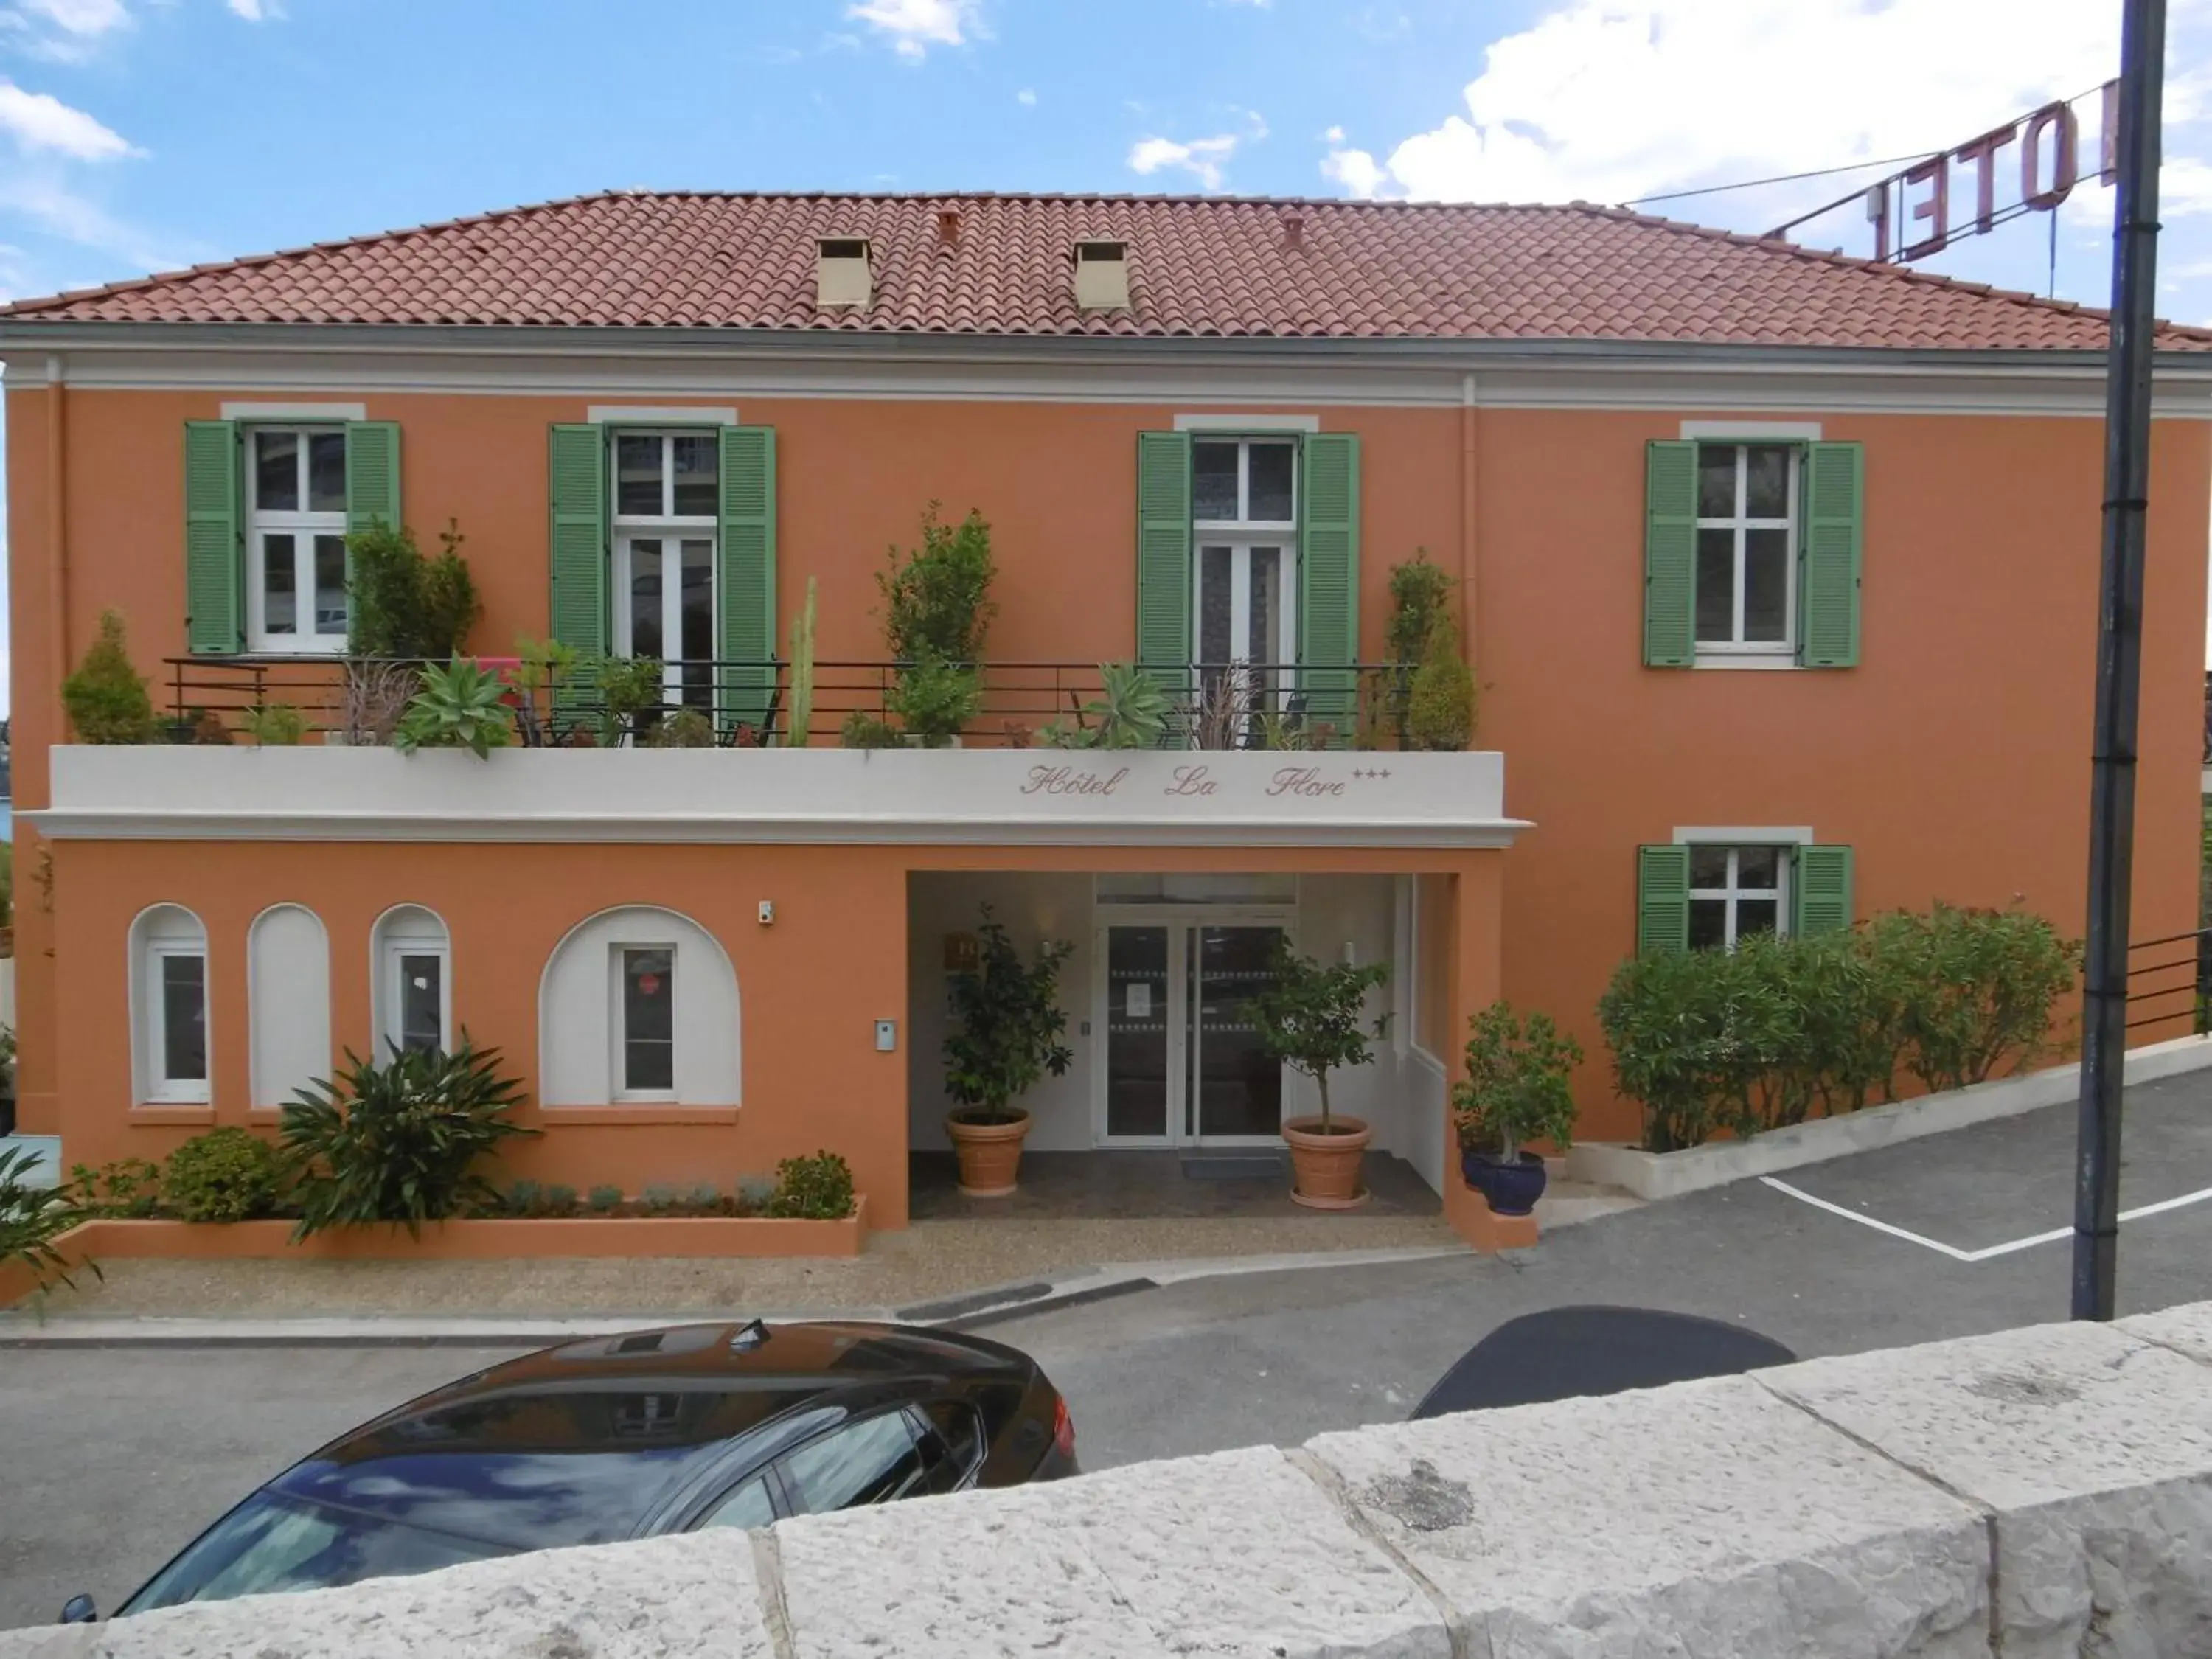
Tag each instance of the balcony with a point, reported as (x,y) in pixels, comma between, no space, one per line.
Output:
(997,787)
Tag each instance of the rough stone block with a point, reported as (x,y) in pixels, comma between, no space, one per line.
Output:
(2188,1328)
(673,1598)
(1707,1518)
(2091,1449)
(1234,1554)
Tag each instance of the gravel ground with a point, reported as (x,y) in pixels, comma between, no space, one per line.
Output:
(929,1261)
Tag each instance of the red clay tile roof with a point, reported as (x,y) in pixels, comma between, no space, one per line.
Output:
(1200,266)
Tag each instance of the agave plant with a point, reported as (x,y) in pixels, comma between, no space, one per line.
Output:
(460,706)
(31,1218)
(400,1141)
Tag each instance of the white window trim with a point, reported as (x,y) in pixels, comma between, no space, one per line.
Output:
(1756,835)
(1248,423)
(658,415)
(1733,893)
(619,1029)
(396,946)
(303,525)
(1753,431)
(162,1089)
(1781,653)
(321,414)
(1240,535)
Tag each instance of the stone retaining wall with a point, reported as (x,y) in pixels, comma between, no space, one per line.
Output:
(2031,1494)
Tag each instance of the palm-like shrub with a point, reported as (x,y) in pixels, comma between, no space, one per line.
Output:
(33,1218)
(400,1141)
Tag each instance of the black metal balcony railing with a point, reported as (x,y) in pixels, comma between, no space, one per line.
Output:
(2171,978)
(748,700)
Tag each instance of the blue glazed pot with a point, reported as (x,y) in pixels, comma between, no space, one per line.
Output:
(1511,1189)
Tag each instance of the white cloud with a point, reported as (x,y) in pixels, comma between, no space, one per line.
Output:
(1573,105)
(79,17)
(1332,136)
(1360,173)
(1026,98)
(39,120)
(257,11)
(913,26)
(1202,158)
(2184,188)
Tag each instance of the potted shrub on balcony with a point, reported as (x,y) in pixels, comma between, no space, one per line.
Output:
(1515,1090)
(1007,1036)
(1312,1019)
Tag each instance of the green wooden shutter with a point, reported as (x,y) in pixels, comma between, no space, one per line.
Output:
(371,475)
(1163,574)
(1828,555)
(1820,891)
(577,549)
(747,554)
(1663,900)
(1328,580)
(214,560)
(1670,554)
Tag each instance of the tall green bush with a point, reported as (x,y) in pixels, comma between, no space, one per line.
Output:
(937,610)
(401,602)
(105,697)
(1983,983)
(1440,702)
(1420,597)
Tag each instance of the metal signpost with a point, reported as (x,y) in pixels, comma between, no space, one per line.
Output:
(2119,661)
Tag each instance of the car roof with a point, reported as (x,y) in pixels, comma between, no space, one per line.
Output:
(586,1442)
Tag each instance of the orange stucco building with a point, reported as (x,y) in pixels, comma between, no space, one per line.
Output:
(1783,559)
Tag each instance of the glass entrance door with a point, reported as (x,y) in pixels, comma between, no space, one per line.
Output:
(1183,1062)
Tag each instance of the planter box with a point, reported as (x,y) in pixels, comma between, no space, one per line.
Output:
(457,1240)
(1669,1175)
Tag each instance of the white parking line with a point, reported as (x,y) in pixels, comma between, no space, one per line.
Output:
(1988,1251)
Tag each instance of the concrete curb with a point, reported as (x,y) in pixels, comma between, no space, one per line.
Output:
(993,1305)
(1670,1175)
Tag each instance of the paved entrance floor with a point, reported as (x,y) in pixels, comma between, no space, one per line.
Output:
(1130,1185)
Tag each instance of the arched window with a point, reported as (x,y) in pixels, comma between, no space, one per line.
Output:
(412,996)
(287,988)
(638,1004)
(169,1007)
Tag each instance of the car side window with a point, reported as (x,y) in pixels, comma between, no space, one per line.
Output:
(873,1460)
(749,1506)
(952,1441)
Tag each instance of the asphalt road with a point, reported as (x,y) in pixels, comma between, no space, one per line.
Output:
(110,1460)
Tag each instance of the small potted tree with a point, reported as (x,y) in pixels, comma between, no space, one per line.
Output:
(1006,1033)
(1312,1019)
(1515,1090)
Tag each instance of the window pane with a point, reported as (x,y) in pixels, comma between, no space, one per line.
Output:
(637,475)
(1270,482)
(326,471)
(698,641)
(1260,645)
(1716,586)
(421,1002)
(1709,867)
(1766,484)
(280,580)
(961,1430)
(748,1506)
(277,472)
(1754,916)
(1756,866)
(1717,481)
(648,1019)
(184,1018)
(645,599)
(871,1462)
(1708,924)
(1214,568)
(1214,481)
(698,457)
(329,585)
(1766,586)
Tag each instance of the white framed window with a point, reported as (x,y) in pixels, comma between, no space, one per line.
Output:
(169,1028)
(1736,891)
(1244,523)
(411,956)
(1748,527)
(644,1022)
(295,532)
(666,515)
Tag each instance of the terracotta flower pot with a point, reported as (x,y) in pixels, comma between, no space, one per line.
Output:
(990,1154)
(1325,1167)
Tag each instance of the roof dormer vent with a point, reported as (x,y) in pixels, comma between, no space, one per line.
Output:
(1102,276)
(840,273)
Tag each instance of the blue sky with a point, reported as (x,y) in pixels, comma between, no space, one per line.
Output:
(142,134)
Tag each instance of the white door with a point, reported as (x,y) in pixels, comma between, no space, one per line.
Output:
(666,583)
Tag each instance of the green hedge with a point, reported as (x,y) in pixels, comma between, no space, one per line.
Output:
(1782,1030)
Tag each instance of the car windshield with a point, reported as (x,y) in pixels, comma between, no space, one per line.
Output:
(272,1542)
